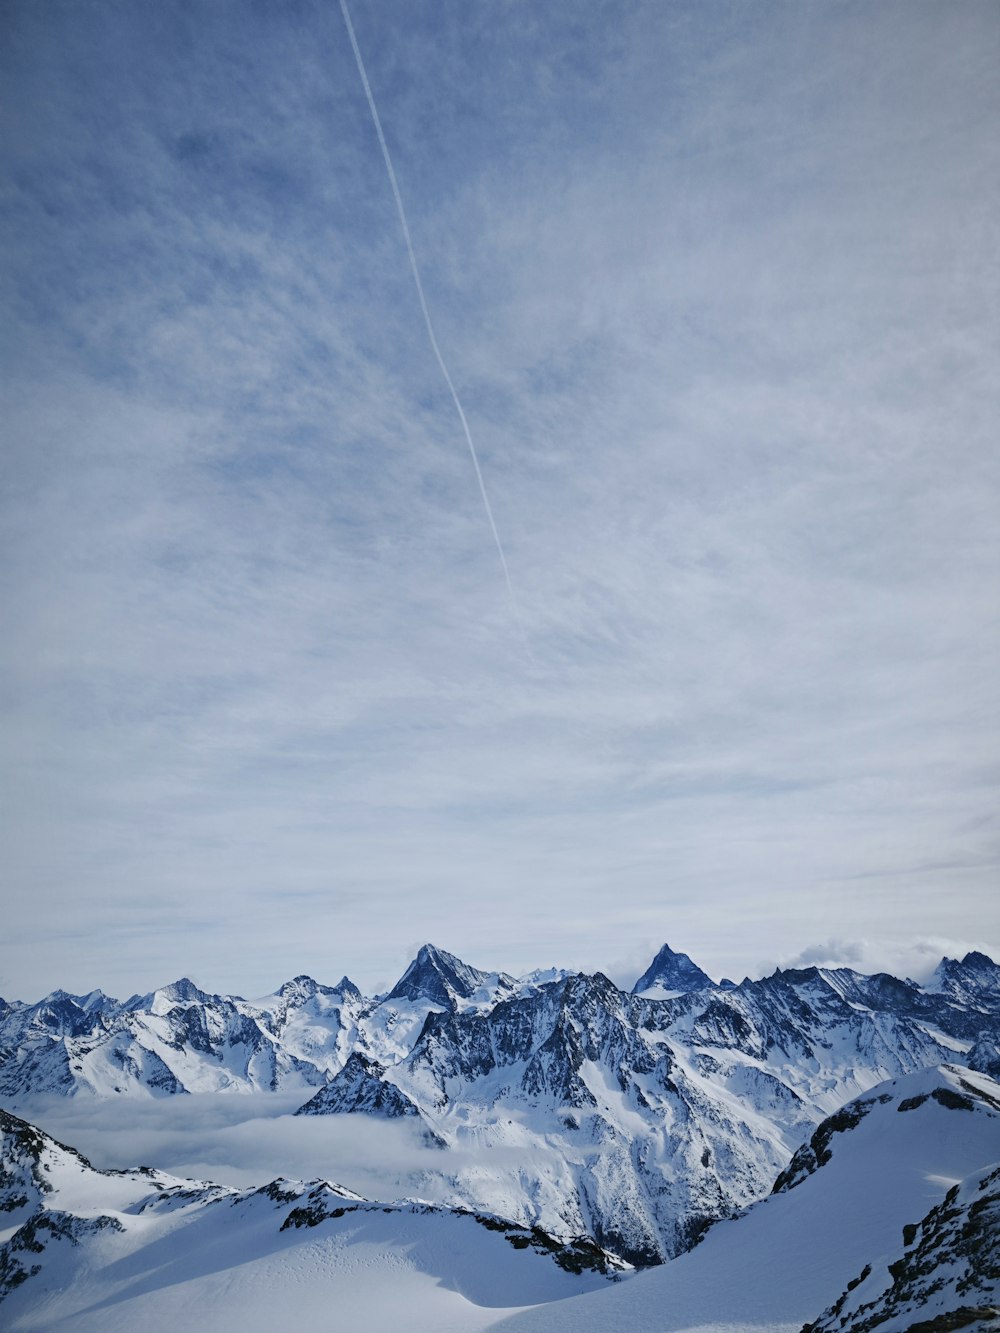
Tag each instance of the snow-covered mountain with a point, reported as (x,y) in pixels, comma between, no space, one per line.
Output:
(637,1118)
(865,1225)
(181,1039)
(640,1121)
(120,1250)
(829,1236)
(445,980)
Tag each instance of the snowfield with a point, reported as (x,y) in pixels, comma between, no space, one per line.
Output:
(122,1250)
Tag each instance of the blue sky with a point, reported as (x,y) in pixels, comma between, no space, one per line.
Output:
(718,286)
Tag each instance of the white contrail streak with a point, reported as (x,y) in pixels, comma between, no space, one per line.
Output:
(423,305)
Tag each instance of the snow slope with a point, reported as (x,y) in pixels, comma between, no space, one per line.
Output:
(874,1167)
(97,1250)
(947,1268)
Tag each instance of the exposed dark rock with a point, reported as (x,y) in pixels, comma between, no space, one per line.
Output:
(673,972)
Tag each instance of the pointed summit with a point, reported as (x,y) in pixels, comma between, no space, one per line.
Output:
(185,991)
(979,962)
(674,972)
(439,977)
(180,992)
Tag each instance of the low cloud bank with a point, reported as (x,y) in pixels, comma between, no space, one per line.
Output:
(915,958)
(239,1139)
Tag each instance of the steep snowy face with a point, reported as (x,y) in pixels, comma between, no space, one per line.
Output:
(52,1201)
(671,973)
(27,1160)
(950,1086)
(614,1134)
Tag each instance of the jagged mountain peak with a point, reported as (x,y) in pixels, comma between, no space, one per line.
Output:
(300,987)
(971,980)
(672,972)
(185,989)
(580,985)
(439,977)
(360,1087)
(181,992)
(980,961)
(58,1002)
(94,999)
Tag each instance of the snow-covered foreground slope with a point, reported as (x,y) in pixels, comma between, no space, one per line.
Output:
(879,1164)
(947,1270)
(96,1250)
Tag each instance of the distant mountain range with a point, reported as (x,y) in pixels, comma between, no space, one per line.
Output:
(635,1119)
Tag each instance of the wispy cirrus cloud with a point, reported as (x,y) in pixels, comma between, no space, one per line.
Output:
(719,297)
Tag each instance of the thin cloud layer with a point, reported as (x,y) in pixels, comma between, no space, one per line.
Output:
(719,294)
(242,1140)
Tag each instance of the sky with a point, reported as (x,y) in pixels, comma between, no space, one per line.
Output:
(717,284)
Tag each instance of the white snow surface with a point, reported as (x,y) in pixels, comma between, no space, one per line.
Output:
(159,1253)
(949,1263)
(370,1269)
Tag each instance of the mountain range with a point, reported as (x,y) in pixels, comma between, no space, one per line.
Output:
(862,1232)
(631,1122)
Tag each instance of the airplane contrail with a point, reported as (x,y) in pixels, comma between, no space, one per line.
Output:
(423,306)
